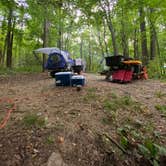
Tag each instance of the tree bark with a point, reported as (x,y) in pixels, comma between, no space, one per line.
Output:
(60,38)
(152,37)
(4,51)
(9,40)
(115,49)
(135,44)
(104,35)
(81,50)
(45,40)
(124,39)
(143,36)
(110,25)
(99,39)
(90,57)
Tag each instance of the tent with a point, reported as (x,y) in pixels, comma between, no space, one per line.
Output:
(58,60)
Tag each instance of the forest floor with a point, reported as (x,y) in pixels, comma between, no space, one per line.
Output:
(103,124)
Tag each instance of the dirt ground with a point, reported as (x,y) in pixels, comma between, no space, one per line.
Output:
(77,123)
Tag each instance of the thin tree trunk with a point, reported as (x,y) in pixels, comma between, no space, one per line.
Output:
(4,50)
(81,50)
(110,25)
(60,41)
(159,56)
(152,43)
(152,37)
(104,35)
(9,41)
(124,37)
(0,57)
(143,36)
(115,49)
(90,57)
(100,41)
(45,40)
(135,44)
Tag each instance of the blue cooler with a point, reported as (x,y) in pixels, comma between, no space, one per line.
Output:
(78,80)
(63,78)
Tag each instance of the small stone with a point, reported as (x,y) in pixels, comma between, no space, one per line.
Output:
(35,151)
(55,160)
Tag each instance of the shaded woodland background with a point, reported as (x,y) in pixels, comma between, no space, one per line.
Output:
(90,29)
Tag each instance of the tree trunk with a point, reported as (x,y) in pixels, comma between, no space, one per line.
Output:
(9,40)
(45,40)
(115,48)
(110,25)
(135,44)
(0,57)
(90,57)
(4,51)
(124,43)
(152,37)
(104,35)
(152,42)
(2,39)
(81,50)
(124,39)
(59,42)
(143,36)
(99,39)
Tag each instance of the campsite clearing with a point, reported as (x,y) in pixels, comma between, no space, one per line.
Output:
(102,123)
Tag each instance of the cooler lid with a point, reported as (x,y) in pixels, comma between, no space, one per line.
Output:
(63,73)
(78,77)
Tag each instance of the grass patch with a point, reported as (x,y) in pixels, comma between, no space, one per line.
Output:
(33,120)
(113,95)
(159,94)
(91,95)
(49,140)
(91,90)
(110,105)
(125,102)
(161,108)
(24,69)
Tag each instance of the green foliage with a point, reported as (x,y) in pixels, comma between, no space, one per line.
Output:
(91,95)
(110,105)
(28,69)
(113,95)
(24,69)
(160,94)
(33,120)
(83,29)
(50,140)
(124,142)
(6,71)
(124,102)
(151,151)
(161,108)
(156,70)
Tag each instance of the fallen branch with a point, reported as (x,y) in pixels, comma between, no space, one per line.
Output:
(113,141)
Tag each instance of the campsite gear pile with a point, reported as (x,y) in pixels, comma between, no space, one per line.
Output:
(69,79)
(60,61)
(124,69)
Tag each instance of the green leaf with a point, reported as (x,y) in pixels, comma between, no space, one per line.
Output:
(124,142)
(153,150)
(161,150)
(145,151)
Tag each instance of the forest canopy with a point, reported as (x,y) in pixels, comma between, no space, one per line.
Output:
(90,29)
